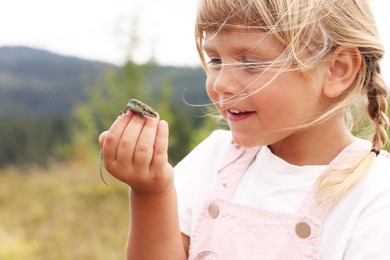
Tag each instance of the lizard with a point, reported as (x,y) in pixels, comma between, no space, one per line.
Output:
(140,108)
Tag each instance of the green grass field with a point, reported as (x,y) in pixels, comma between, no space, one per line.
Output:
(63,212)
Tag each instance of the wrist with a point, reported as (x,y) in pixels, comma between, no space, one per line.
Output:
(142,194)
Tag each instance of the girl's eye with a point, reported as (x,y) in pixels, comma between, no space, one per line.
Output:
(214,62)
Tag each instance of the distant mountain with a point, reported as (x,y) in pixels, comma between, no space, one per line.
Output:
(188,83)
(38,83)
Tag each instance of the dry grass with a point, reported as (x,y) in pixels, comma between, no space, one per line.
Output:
(63,212)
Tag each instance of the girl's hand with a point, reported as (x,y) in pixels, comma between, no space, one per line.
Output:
(135,151)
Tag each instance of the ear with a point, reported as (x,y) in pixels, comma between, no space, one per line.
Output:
(342,67)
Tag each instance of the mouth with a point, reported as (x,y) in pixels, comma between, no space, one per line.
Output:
(236,115)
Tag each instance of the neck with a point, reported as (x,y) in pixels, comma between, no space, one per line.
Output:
(317,145)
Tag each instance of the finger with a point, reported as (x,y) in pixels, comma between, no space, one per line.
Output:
(160,155)
(114,135)
(129,140)
(102,137)
(144,148)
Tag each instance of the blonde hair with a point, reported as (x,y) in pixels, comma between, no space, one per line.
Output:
(310,30)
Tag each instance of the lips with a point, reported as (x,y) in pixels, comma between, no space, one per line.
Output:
(233,111)
(237,115)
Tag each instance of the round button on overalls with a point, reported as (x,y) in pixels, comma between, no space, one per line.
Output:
(213,210)
(303,230)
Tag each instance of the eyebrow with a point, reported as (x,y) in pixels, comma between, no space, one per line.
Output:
(240,51)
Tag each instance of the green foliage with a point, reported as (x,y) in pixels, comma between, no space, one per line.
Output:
(180,124)
(25,140)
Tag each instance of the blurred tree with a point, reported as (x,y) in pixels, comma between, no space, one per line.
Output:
(106,100)
(181,125)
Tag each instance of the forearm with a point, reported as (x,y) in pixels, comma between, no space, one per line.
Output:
(154,229)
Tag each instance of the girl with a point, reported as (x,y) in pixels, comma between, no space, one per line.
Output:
(289,180)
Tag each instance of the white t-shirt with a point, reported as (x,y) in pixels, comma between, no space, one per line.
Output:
(357,227)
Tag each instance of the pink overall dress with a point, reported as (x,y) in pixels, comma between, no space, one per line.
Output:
(231,231)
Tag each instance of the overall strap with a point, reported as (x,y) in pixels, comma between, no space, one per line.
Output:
(232,169)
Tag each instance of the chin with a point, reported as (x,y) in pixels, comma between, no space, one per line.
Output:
(245,142)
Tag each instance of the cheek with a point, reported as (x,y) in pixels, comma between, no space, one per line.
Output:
(288,104)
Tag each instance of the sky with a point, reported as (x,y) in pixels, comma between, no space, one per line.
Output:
(95,29)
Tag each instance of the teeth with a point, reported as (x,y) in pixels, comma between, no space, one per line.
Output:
(236,111)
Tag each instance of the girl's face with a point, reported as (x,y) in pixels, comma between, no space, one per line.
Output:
(261,109)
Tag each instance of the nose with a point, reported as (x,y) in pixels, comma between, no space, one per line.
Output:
(226,81)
